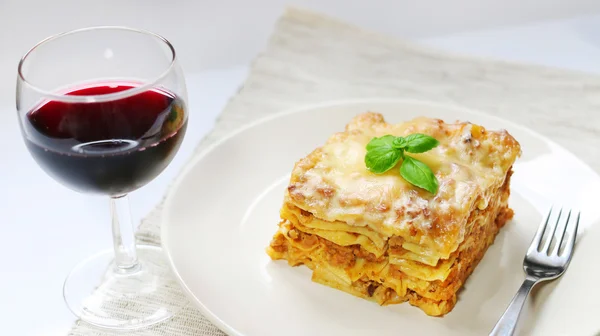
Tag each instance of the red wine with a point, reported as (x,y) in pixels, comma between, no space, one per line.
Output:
(108,147)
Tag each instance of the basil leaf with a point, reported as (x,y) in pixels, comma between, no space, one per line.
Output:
(420,143)
(381,154)
(386,140)
(418,174)
(399,142)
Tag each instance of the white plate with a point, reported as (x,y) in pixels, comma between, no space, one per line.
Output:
(224,208)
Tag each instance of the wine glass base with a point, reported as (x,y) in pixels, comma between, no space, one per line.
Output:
(102,295)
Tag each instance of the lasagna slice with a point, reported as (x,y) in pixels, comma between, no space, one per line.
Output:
(379,237)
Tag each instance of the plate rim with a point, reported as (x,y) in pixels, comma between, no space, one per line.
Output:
(191,163)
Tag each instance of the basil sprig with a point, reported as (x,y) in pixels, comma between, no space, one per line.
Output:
(385,152)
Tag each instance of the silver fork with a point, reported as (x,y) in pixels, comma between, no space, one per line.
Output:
(542,262)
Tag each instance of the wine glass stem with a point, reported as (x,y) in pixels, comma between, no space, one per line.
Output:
(123,235)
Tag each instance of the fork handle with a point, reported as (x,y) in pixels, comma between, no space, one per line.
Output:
(508,322)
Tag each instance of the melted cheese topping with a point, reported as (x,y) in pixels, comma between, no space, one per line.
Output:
(470,163)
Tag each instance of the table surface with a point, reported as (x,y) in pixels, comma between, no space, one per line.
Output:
(46,229)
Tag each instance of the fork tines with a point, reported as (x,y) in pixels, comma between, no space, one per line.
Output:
(556,235)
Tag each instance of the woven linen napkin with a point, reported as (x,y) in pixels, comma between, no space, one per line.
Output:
(311,59)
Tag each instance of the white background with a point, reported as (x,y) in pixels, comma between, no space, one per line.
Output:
(46,229)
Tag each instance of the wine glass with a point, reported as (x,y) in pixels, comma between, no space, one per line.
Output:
(103,110)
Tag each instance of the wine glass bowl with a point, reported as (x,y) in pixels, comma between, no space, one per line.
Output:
(103,110)
(107,147)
